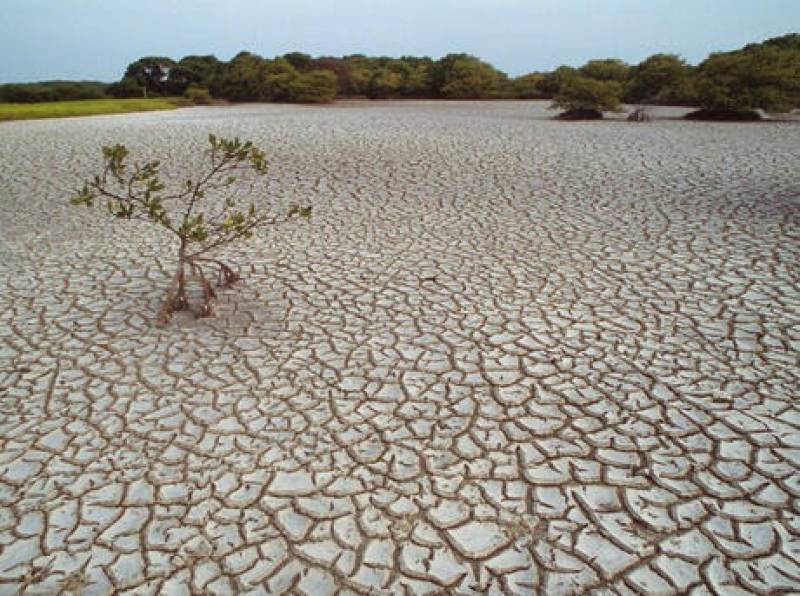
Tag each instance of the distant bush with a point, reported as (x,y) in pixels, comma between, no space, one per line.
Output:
(385,84)
(52,91)
(608,69)
(583,98)
(661,79)
(278,83)
(151,73)
(242,79)
(552,82)
(191,70)
(300,62)
(527,87)
(461,76)
(317,86)
(198,95)
(759,76)
(126,87)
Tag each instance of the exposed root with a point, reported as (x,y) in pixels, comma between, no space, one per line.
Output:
(226,276)
(177,300)
(207,307)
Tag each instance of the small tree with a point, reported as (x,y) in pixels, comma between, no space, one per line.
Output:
(528,86)
(385,84)
(205,213)
(198,95)
(660,79)
(150,73)
(317,86)
(585,98)
(765,76)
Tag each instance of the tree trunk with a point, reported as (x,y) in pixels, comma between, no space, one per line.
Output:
(176,298)
(181,300)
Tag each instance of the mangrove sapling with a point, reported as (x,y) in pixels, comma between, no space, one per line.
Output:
(206,213)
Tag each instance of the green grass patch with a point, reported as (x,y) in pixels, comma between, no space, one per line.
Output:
(89,107)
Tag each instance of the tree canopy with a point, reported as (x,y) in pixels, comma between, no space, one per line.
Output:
(660,79)
(608,69)
(582,97)
(150,73)
(765,76)
(461,76)
(52,91)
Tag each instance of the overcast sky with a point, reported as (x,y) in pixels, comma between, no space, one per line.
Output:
(96,39)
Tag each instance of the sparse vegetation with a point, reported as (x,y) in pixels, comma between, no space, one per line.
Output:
(205,213)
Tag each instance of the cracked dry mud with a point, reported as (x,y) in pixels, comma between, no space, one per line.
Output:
(507,355)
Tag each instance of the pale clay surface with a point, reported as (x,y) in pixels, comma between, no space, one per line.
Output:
(507,355)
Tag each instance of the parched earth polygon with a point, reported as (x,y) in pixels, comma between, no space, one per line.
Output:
(506,355)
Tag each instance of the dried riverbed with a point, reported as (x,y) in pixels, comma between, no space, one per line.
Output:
(507,355)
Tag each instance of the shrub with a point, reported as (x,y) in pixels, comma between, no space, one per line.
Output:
(608,69)
(765,76)
(552,82)
(198,95)
(277,83)
(317,86)
(461,76)
(584,98)
(661,79)
(204,214)
(385,84)
(527,86)
(127,87)
(150,73)
(52,91)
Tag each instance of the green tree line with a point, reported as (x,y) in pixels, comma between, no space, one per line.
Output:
(725,85)
(52,91)
(298,77)
(763,75)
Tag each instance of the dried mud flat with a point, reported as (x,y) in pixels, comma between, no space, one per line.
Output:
(507,355)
